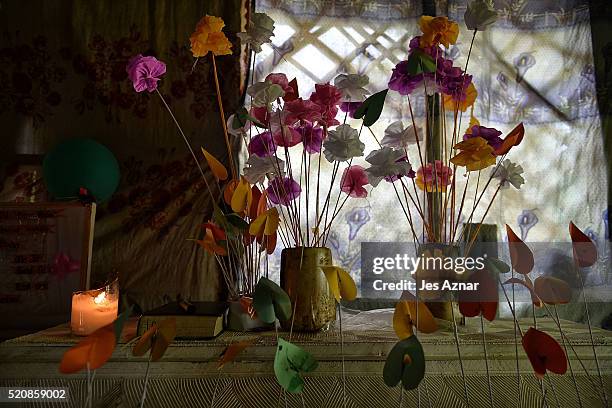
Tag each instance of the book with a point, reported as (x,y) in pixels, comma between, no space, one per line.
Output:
(193,320)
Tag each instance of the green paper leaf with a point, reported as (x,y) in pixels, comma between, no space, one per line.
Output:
(120,322)
(289,362)
(497,265)
(237,221)
(271,302)
(371,108)
(242,117)
(419,62)
(405,363)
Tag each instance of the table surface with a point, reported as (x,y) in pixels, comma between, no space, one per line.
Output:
(367,338)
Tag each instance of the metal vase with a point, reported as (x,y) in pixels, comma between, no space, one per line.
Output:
(301,277)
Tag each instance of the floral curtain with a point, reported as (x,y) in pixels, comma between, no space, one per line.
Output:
(62,66)
(534,66)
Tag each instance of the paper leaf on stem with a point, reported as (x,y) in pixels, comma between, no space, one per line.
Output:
(552,291)
(256,193)
(290,362)
(520,255)
(406,314)
(95,350)
(231,352)
(419,62)
(157,339)
(292,96)
(544,353)
(340,283)
(514,138)
(120,322)
(242,197)
(527,284)
(484,300)
(218,169)
(271,302)
(228,191)
(371,109)
(405,363)
(585,251)
(497,265)
(265,224)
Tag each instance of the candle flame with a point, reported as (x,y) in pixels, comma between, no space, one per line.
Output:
(100,298)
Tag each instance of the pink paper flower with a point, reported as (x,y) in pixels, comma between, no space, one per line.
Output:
(283,190)
(327,97)
(352,182)
(63,265)
(282,81)
(261,114)
(144,72)
(301,110)
(312,137)
(286,136)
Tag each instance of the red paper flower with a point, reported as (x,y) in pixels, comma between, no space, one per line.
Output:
(353,180)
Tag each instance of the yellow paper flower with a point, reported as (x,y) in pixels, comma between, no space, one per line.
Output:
(475,154)
(208,37)
(438,30)
(470,97)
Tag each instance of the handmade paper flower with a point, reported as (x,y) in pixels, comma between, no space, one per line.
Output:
(342,144)
(213,235)
(242,197)
(352,86)
(415,44)
(438,30)
(350,107)
(144,72)
(208,37)
(404,83)
(327,97)
(283,131)
(262,114)
(235,127)
(312,137)
(479,15)
(508,173)
(452,81)
(302,110)
(544,353)
(474,154)
(341,283)
(398,136)
(258,168)
(429,181)
(259,31)
(395,177)
(452,104)
(352,182)
(265,224)
(262,145)
(280,80)
(491,135)
(283,190)
(384,163)
(264,93)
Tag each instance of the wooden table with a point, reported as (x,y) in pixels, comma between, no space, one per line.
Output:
(187,375)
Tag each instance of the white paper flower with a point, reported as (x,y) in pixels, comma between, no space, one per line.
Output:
(352,86)
(259,31)
(342,144)
(257,168)
(264,93)
(509,173)
(386,162)
(398,136)
(234,128)
(479,15)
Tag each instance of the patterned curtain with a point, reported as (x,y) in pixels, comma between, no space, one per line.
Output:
(62,66)
(535,65)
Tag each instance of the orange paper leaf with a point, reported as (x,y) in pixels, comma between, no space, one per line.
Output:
(520,255)
(231,352)
(215,165)
(585,251)
(514,138)
(95,350)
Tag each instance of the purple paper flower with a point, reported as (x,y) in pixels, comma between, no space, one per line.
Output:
(491,135)
(415,44)
(404,83)
(451,80)
(312,137)
(283,190)
(262,145)
(144,72)
(350,107)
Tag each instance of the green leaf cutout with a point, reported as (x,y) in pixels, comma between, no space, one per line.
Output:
(405,363)
(120,322)
(497,265)
(242,117)
(271,302)
(237,221)
(419,62)
(290,361)
(371,108)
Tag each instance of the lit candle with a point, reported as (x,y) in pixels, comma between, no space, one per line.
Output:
(93,309)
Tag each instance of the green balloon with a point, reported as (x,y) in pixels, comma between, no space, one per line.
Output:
(80,163)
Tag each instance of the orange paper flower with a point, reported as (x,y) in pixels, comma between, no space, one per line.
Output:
(208,37)
(438,30)
(452,104)
(475,154)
